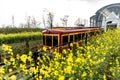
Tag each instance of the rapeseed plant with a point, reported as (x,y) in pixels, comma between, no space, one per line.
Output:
(23,58)
(99,59)
(13,77)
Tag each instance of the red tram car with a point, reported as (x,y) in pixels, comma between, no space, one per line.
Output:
(59,39)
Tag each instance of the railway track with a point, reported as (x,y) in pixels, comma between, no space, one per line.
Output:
(2,58)
(2,63)
(15,72)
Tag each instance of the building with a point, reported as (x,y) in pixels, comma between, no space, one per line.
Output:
(107,17)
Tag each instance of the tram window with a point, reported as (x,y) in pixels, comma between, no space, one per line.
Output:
(79,36)
(76,37)
(71,38)
(88,34)
(43,40)
(55,40)
(48,40)
(97,32)
(83,36)
(91,33)
(65,40)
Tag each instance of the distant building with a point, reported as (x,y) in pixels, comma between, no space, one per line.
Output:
(107,17)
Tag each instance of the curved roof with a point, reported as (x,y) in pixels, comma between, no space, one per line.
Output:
(110,8)
(105,12)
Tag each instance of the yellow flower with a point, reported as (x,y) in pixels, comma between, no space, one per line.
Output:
(40,77)
(29,58)
(49,47)
(12,59)
(5,61)
(36,71)
(22,66)
(77,44)
(2,70)
(10,70)
(83,60)
(30,53)
(104,77)
(91,73)
(64,51)
(7,49)
(70,58)
(77,60)
(83,74)
(88,47)
(55,52)
(71,44)
(18,56)
(13,77)
(61,78)
(32,69)
(1,78)
(56,73)
(44,49)
(68,69)
(23,58)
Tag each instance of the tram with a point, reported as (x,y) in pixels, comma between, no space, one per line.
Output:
(59,39)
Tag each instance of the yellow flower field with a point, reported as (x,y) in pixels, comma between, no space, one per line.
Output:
(98,60)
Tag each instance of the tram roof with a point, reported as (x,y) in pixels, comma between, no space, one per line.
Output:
(57,31)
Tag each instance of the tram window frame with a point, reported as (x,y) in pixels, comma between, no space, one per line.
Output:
(65,40)
(83,36)
(71,38)
(55,43)
(76,37)
(93,33)
(97,32)
(48,40)
(44,40)
(79,36)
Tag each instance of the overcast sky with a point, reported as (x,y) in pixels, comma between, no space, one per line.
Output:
(74,8)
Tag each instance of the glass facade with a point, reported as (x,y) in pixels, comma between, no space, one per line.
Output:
(97,19)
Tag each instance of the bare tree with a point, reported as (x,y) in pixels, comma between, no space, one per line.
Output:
(31,22)
(50,19)
(57,24)
(85,22)
(8,26)
(44,21)
(13,22)
(3,25)
(44,17)
(34,22)
(28,21)
(21,25)
(64,20)
(78,22)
